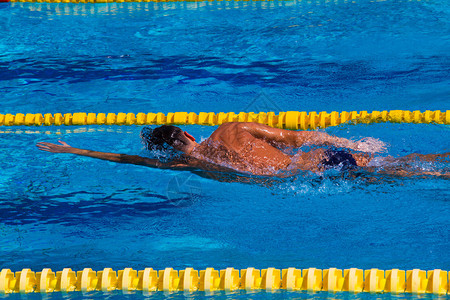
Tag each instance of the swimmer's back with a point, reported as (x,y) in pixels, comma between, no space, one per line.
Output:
(232,144)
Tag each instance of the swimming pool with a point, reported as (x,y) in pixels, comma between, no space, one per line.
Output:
(61,211)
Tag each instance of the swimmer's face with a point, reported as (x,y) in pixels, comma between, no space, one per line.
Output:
(183,141)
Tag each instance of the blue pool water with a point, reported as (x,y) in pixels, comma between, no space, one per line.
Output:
(59,211)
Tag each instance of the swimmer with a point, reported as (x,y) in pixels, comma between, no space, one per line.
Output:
(258,149)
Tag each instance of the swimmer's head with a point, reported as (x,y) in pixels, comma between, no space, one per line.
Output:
(167,135)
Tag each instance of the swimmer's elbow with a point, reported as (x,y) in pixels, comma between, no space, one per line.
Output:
(138,160)
(314,138)
(128,159)
(154,163)
(301,138)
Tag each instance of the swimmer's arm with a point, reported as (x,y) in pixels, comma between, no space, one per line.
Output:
(291,138)
(325,139)
(368,144)
(114,157)
(400,172)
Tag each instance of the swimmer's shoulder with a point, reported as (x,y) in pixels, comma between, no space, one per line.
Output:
(223,131)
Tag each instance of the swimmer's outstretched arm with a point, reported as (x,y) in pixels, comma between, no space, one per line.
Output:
(300,138)
(114,157)
(408,173)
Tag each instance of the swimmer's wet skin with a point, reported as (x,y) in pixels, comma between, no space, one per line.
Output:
(251,148)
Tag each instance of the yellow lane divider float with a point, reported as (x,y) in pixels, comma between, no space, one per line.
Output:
(189,280)
(289,120)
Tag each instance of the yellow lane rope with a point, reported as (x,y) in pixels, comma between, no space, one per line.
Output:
(189,280)
(289,120)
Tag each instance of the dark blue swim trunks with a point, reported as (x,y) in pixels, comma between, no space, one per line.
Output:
(339,159)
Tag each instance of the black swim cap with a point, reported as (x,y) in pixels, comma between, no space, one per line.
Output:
(161,137)
(339,159)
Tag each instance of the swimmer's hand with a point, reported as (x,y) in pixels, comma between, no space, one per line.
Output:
(370,145)
(55,148)
(114,157)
